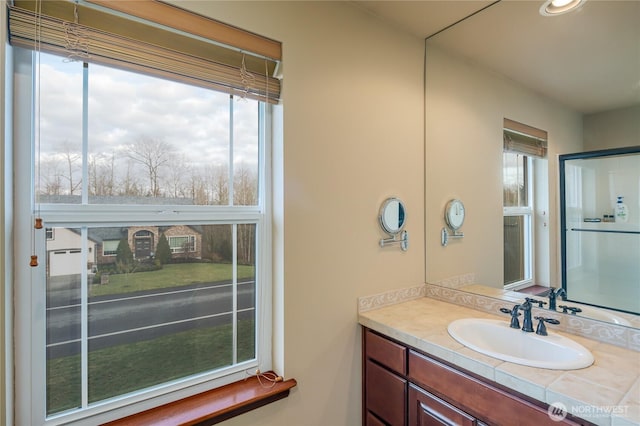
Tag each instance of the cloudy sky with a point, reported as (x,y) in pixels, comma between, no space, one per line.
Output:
(125,107)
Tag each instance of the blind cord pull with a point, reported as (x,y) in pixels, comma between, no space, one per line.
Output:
(246,77)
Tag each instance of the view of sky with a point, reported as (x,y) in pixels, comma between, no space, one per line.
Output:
(124,107)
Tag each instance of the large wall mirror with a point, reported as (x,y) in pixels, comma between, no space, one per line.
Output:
(576,76)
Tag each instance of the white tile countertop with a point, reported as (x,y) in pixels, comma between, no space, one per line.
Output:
(606,393)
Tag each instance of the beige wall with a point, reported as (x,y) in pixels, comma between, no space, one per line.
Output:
(612,129)
(353,135)
(465,107)
(353,114)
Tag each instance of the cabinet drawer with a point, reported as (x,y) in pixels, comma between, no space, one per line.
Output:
(427,409)
(476,397)
(386,394)
(386,352)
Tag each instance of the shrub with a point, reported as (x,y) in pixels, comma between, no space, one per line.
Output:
(163,251)
(124,256)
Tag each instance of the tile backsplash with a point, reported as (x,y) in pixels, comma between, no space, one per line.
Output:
(447,291)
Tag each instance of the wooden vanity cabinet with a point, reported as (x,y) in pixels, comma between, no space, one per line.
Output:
(428,409)
(385,392)
(404,387)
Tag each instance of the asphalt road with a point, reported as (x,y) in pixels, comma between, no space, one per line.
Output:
(129,318)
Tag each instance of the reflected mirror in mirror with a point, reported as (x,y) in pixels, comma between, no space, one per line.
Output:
(392,216)
(454,214)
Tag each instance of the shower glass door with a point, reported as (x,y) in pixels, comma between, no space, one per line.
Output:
(601,251)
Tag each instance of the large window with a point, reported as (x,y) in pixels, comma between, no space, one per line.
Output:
(156,284)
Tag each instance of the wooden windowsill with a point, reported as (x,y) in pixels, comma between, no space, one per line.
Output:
(211,407)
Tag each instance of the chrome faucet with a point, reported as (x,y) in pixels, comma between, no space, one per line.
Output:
(553,294)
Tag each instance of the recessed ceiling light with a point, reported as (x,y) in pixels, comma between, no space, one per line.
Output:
(558,7)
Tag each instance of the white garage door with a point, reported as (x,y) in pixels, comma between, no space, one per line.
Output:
(65,262)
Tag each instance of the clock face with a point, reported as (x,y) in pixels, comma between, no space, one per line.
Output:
(454,214)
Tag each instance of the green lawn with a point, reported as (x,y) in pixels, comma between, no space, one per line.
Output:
(172,275)
(127,368)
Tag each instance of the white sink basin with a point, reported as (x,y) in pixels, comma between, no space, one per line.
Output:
(496,339)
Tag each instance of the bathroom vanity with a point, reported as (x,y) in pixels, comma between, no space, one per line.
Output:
(403,386)
(415,373)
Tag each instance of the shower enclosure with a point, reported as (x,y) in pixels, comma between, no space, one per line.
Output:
(601,252)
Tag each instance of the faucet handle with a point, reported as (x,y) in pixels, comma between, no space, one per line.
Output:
(542,329)
(539,302)
(515,322)
(572,309)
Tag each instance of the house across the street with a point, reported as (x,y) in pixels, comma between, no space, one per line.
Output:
(64,254)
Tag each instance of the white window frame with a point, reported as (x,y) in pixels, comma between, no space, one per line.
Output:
(527,212)
(29,313)
(112,253)
(176,249)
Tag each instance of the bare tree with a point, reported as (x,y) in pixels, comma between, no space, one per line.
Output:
(199,192)
(153,154)
(129,185)
(244,187)
(177,176)
(71,159)
(245,194)
(50,177)
(219,181)
(102,174)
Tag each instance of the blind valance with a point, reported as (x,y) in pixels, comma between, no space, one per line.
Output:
(519,138)
(146,44)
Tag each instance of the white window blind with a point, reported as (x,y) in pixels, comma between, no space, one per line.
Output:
(110,247)
(519,138)
(139,36)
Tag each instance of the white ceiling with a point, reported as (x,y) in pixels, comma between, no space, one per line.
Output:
(588,60)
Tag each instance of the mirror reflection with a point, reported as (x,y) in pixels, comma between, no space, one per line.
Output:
(392,216)
(600,234)
(480,73)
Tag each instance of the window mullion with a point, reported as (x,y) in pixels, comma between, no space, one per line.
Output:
(231,172)
(85,133)
(84,321)
(234,280)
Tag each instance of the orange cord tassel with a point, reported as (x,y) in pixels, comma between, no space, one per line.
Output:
(38,224)
(34,261)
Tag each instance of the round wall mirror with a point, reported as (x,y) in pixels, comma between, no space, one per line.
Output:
(454,214)
(392,216)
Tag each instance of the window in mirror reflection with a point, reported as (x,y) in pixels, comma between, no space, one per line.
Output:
(517,208)
(515,180)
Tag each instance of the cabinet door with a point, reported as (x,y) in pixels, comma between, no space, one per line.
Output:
(385,352)
(386,394)
(371,420)
(426,409)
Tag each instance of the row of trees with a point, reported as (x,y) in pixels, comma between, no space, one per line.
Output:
(147,168)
